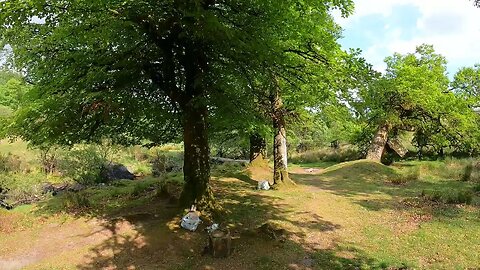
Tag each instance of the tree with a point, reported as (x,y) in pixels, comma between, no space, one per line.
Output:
(12,95)
(466,83)
(148,69)
(414,95)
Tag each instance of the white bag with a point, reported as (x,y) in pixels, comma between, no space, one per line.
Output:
(191,220)
(263,185)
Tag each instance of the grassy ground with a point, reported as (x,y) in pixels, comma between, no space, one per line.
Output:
(353,215)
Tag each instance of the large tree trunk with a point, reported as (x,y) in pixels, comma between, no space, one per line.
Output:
(280,165)
(377,147)
(258,149)
(196,168)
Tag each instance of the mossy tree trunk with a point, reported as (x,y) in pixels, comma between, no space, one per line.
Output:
(280,159)
(196,167)
(258,149)
(377,147)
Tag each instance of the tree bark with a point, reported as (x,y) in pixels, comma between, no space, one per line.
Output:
(196,168)
(377,147)
(280,159)
(258,149)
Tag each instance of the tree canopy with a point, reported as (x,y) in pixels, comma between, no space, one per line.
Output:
(154,70)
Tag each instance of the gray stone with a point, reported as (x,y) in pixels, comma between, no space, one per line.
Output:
(115,171)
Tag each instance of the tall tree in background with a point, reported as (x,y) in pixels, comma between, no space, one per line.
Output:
(12,95)
(410,92)
(466,83)
(414,95)
(148,69)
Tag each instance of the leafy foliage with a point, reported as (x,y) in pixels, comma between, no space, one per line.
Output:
(84,164)
(466,83)
(414,95)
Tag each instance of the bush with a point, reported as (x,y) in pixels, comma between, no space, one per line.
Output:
(75,200)
(142,187)
(23,188)
(168,147)
(448,197)
(140,153)
(48,159)
(404,178)
(84,164)
(471,173)
(327,155)
(10,163)
(163,163)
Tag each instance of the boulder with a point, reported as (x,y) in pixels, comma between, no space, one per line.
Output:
(115,171)
(263,185)
(3,196)
(5,205)
(56,189)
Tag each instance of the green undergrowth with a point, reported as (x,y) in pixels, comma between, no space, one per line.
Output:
(111,198)
(347,153)
(351,215)
(417,214)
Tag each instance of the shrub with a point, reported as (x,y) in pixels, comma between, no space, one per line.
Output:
(476,188)
(163,163)
(458,197)
(23,188)
(140,153)
(48,159)
(10,163)
(409,176)
(449,196)
(84,164)
(168,147)
(433,196)
(471,172)
(75,200)
(141,188)
(326,154)
(468,173)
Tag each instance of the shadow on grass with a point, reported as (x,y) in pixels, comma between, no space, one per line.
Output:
(143,232)
(369,185)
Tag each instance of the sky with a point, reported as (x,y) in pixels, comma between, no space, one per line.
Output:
(382,27)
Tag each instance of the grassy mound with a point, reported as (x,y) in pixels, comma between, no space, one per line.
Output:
(360,169)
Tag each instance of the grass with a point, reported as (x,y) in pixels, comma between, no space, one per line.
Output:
(344,153)
(353,215)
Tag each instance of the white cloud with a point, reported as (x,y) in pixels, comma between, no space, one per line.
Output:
(451,26)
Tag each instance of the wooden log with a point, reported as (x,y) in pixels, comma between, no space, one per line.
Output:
(220,243)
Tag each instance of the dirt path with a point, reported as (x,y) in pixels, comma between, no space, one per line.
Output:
(53,240)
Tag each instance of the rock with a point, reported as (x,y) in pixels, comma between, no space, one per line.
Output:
(263,185)
(56,189)
(5,205)
(307,262)
(76,187)
(115,171)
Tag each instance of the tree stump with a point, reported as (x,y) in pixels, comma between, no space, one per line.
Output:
(220,243)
